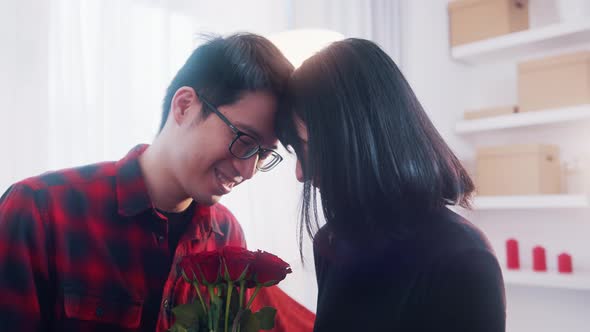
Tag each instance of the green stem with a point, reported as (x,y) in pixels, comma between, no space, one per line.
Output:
(258,287)
(197,288)
(242,289)
(210,315)
(230,286)
(218,291)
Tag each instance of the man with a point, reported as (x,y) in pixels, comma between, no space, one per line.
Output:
(95,248)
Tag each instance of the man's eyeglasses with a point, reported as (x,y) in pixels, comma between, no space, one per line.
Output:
(244,146)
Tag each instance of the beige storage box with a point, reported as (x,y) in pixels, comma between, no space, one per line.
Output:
(554,82)
(576,175)
(529,169)
(489,112)
(473,20)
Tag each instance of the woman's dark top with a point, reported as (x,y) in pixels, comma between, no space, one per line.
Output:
(442,277)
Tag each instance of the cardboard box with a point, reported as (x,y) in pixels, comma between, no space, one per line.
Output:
(527,169)
(489,112)
(576,175)
(554,82)
(473,20)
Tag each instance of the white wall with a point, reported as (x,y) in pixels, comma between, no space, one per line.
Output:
(23,89)
(446,88)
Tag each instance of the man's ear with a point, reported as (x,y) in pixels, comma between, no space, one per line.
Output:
(184,99)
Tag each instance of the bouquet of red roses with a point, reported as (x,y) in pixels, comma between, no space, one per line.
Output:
(221,279)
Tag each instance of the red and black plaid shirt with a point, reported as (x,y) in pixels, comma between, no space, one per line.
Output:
(84,249)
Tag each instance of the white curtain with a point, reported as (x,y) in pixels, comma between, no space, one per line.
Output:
(23,89)
(82,80)
(109,64)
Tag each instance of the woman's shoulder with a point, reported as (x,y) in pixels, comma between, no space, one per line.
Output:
(439,233)
(446,232)
(326,244)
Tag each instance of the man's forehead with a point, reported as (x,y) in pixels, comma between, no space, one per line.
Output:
(255,114)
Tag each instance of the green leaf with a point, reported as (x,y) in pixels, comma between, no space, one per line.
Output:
(187,315)
(177,328)
(249,322)
(266,317)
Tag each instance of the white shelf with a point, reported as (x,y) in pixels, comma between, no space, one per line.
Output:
(526,119)
(549,279)
(530,202)
(525,44)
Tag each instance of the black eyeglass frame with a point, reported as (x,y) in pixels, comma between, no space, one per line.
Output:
(277,157)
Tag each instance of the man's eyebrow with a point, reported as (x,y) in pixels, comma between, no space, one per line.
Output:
(251,131)
(248,130)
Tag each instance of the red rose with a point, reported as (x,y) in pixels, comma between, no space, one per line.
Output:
(208,265)
(236,262)
(269,269)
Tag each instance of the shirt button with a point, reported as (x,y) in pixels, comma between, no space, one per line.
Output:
(166,304)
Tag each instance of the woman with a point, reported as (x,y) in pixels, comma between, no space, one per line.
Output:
(391,256)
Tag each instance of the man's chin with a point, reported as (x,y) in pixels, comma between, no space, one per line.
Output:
(208,200)
(215,200)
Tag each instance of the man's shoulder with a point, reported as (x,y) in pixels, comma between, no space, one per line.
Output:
(79,177)
(71,187)
(68,191)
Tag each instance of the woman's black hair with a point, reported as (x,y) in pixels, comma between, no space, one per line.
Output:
(372,152)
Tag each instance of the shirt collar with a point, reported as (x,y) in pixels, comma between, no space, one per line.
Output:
(133,197)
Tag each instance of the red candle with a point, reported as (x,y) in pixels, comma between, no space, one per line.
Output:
(512,257)
(539,259)
(564,263)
